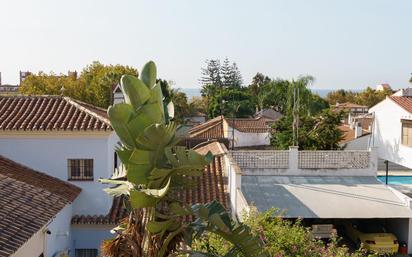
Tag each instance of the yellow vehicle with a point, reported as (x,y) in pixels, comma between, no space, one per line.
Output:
(372,236)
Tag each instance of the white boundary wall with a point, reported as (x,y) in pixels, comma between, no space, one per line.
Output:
(307,163)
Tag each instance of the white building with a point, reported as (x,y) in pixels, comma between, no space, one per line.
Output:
(35,212)
(69,140)
(392,128)
(243,132)
(318,187)
(383,87)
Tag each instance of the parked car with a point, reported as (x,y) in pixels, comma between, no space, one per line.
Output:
(323,231)
(372,236)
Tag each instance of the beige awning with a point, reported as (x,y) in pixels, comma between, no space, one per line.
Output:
(324,197)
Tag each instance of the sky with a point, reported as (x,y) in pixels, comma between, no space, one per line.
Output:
(342,43)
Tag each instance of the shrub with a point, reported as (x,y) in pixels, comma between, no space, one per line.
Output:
(283,238)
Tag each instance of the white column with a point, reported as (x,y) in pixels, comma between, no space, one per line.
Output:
(293,158)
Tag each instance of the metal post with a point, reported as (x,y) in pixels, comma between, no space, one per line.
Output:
(233,122)
(387,171)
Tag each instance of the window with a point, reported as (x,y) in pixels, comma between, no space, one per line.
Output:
(407,132)
(80,169)
(86,252)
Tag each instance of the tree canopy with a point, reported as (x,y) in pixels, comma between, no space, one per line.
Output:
(319,132)
(368,96)
(94,84)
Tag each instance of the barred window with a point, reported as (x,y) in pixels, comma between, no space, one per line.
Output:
(86,252)
(407,132)
(80,169)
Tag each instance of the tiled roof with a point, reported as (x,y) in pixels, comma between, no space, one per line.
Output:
(211,185)
(116,213)
(350,105)
(214,129)
(269,114)
(257,125)
(41,113)
(403,101)
(215,147)
(349,134)
(28,201)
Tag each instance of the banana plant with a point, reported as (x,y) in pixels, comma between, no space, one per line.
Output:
(154,169)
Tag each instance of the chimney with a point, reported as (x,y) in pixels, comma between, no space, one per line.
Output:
(358,130)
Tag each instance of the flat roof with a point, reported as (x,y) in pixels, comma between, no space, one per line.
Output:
(324,197)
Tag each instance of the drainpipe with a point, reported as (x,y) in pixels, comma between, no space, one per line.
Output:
(387,171)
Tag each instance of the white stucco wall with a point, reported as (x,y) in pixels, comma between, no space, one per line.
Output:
(33,247)
(48,152)
(387,133)
(247,139)
(59,238)
(89,237)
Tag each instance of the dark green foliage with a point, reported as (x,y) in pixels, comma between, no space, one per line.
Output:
(231,101)
(315,133)
(282,238)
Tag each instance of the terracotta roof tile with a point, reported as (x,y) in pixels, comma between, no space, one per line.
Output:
(404,101)
(349,105)
(211,185)
(349,134)
(39,113)
(28,201)
(255,125)
(214,129)
(215,147)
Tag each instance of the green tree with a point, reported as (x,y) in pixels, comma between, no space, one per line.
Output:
(319,132)
(368,96)
(340,96)
(283,238)
(371,97)
(224,99)
(258,81)
(211,74)
(154,171)
(198,104)
(93,86)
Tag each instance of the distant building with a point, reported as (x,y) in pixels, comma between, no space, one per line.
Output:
(240,132)
(195,119)
(24,75)
(269,114)
(352,108)
(9,89)
(117,94)
(383,87)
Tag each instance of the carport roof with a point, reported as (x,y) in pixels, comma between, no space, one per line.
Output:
(324,197)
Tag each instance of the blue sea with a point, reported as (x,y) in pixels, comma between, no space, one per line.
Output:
(190,92)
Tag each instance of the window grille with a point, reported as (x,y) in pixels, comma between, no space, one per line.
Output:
(86,252)
(80,169)
(407,132)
